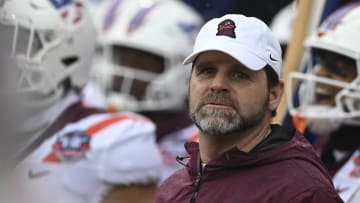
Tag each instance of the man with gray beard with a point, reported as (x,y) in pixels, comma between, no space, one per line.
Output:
(241,157)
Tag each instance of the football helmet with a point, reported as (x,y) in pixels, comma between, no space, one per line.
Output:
(144,43)
(338,34)
(52,42)
(282,23)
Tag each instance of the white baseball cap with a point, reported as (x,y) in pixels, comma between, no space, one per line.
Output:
(247,39)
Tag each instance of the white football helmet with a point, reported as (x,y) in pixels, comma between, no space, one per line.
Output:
(161,31)
(53,42)
(339,34)
(282,23)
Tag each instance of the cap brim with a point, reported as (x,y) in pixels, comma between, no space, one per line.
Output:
(237,51)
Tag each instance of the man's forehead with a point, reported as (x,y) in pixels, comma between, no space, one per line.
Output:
(213,58)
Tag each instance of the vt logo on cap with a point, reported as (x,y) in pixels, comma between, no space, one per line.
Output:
(226,28)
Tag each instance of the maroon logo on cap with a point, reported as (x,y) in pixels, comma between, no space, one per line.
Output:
(226,28)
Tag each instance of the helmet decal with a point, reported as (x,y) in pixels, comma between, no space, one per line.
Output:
(189,28)
(77,14)
(58,4)
(139,17)
(336,18)
(111,14)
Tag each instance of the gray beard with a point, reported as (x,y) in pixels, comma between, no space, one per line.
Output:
(221,122)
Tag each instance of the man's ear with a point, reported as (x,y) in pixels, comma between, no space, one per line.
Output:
(276,93)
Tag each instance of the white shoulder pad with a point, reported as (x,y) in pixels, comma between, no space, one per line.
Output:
(122,151)
(108,129)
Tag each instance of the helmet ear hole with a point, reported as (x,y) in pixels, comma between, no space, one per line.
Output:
(67,84)
(69,61)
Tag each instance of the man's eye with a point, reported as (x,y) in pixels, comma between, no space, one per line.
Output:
(207,71)
(240,75)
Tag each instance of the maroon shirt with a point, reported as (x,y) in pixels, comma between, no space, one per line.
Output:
(290,172)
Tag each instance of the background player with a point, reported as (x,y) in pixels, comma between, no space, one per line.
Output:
(140,68)
(329,96)
(67,152)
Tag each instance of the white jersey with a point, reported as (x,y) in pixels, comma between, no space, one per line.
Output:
(81,161)
(347,179)
(172,145)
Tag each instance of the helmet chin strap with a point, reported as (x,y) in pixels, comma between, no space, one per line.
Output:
(126,102)
(323,125)
(122,102)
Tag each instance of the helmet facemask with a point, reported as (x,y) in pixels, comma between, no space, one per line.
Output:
(141,81)
(322,97)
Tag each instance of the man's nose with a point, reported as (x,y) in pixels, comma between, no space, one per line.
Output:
(220,83)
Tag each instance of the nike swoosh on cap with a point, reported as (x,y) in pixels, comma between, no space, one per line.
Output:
(271,58)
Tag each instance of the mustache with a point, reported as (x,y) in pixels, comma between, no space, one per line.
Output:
(219,98)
